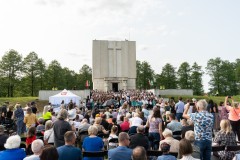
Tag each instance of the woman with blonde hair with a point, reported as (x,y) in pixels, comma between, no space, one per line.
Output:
(225,137)
(97,124)
(46,114)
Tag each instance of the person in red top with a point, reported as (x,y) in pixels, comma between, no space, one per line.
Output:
(125,125)
(31,136)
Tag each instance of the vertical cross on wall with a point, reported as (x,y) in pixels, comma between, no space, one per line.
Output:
(114,48)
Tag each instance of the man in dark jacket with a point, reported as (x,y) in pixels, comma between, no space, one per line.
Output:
(139,139)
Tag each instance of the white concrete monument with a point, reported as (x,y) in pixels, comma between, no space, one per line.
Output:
(114,65)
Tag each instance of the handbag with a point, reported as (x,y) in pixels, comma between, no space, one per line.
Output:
(46,141)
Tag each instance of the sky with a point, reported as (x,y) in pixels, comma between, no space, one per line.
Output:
(165,31)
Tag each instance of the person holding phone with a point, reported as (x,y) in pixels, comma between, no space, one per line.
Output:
(234,115)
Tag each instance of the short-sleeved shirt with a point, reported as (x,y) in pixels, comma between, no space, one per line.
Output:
(180,107)
(93,144)
(154,125)
(69,152)
(60,127)
(203,124)
(47,115)
(174,126)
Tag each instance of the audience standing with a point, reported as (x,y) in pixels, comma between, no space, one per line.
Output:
(203,128)
(179,109)
(234,112)
(60,127)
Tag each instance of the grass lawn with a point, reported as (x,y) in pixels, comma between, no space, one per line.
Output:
(40,104)
(23,101)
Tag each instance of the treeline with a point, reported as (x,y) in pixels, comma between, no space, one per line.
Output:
(25,76)
(225,77)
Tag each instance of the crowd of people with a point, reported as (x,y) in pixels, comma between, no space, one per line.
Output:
(127,124)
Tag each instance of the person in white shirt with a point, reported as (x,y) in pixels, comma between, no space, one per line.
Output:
(37,147)
(49,134)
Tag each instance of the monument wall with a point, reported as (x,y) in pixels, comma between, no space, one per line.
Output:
(173,92)
(114,65)
(45,94)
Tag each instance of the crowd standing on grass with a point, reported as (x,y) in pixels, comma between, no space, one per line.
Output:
(127,124)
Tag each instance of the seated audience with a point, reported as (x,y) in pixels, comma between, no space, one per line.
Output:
(225,137)
(3,137)
(84,125)
(104,122)
(167,134)
(92,143)
(134,123)
(139,153)
(40,126)
(139,139)
(13,152)
(68,151)
(122,152)
(125,125)
(188,127)
(112,135)
(37,147)
(49,153)
(190,136)
(165,148)
(97,124)
(174,125)
(186,150)
(48,134)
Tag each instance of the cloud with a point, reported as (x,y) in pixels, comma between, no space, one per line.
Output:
(57,3)
(142,47)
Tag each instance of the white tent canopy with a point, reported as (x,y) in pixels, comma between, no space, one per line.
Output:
(65,95)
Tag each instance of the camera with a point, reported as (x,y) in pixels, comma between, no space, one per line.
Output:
(192,104)
(229,97)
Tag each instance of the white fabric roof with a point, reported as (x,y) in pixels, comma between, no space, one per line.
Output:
(65,95)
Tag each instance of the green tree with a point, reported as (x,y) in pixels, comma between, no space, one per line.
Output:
(223,77)
(184,73)
(145,75)
(167,78)
(85,74)
(54,75)
(196,79)
(10,67)
(70,81)
(30,68)
(41,76)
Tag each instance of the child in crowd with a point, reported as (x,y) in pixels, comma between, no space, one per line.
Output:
(112,135)
(40,127)
(31,136)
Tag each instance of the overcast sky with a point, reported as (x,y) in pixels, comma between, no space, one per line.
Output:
(165,31)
